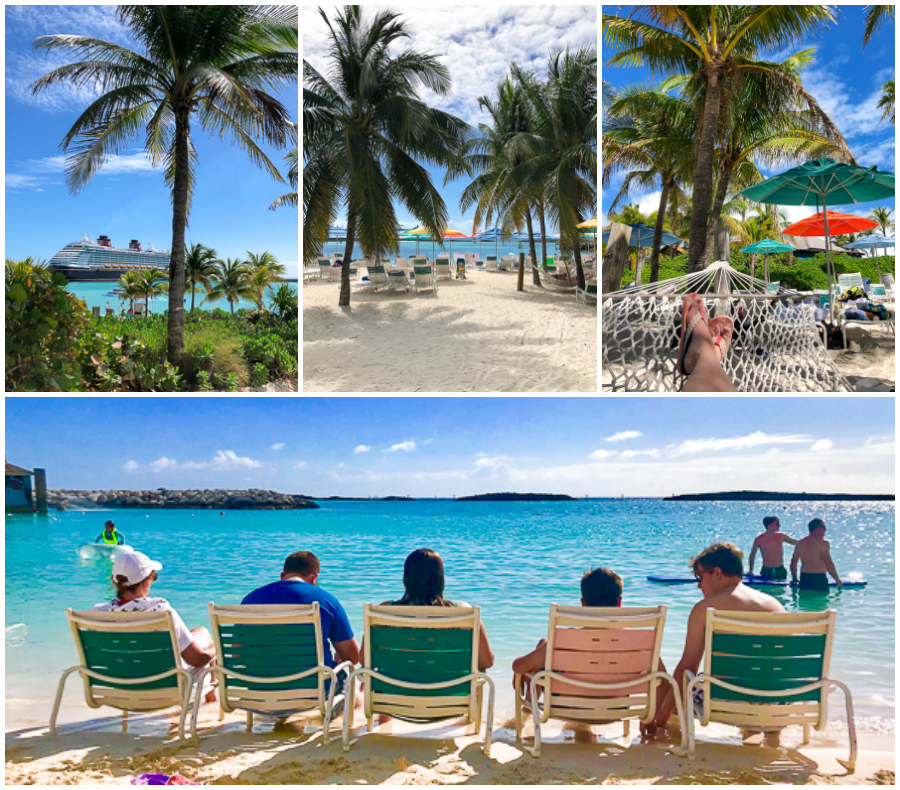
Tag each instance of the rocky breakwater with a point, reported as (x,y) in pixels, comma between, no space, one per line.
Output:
(206,499)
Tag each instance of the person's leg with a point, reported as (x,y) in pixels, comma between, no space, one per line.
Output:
(203,637)
(703,363)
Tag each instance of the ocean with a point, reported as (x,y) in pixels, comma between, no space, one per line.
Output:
(512,558)
(408,248)
(97,294)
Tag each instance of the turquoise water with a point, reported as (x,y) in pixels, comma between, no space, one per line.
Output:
(95,295)
(408,248)
(513,559)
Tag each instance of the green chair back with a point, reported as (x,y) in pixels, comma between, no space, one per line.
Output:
(421,655)
(269,651)
(767,663)
(129,656)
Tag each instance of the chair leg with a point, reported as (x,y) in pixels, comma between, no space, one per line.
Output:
(124,721)
(850,764)
(58,700)
(687,713)
(249,722)
(626,727)
(489,723)
(518,686)
(536,718)
(805,735)
(349,705)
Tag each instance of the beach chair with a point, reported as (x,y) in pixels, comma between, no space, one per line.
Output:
(887,280)
(442,269)
(772,288)
(95,311)
(602,666)
(853,280)
(129,661)
(491,264)
(398,279)
(503,264)
(425,278)
(470,257)
(403,264)
(138,308)
(110,311)
(589,292)
(377,276)
(482,265)
(421,665)
(271,661)
(764,671)
(324,268)
(460,267)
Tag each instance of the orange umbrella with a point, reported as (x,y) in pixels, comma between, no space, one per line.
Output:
(838,225)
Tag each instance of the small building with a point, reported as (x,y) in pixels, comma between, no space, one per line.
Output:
(21,495)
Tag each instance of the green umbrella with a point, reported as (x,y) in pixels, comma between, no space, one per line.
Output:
(766,246)
(823,182)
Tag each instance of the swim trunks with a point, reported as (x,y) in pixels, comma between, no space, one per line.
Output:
(773,572)
(814,581)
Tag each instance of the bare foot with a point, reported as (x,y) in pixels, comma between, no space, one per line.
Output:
(211,696)
(773,740)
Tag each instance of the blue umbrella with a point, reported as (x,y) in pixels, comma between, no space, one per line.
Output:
(869,242)
(491,234)
(642,236)
(766,246)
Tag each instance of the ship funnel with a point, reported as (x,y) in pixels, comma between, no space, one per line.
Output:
(104,241)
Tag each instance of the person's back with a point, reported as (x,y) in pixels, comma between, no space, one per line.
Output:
(813,555)
(771,545)
(297,585)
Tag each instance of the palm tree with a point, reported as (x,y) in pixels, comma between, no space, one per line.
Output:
(199,264)
(230,281)
(886,101)
(262,270)
(716,45)
(290,199)
(876,16)
(130,287)
(208,63)
(285,302)
(364,130)
(632,215)
(23,268)
(882,215)
(150,284)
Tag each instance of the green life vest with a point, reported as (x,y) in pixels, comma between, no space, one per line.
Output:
(115,537)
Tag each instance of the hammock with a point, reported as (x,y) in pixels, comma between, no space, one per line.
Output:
(776,345)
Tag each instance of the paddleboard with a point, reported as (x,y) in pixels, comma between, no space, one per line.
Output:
(102,551)
(15,635)
(754,581)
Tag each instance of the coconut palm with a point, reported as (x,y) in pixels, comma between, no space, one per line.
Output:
(151,282)
(290,199)
(23,268)
(717,46)
(284,302)
(211,64)
(130,287)
(876,16)
(365,131)
(882,215)
(230,281)
(199,264)
(262,270)
(886,102)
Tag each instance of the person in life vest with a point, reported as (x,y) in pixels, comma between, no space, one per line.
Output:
(110,535)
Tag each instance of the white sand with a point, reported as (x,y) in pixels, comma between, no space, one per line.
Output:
(870,359)
(396,753)
(475,335)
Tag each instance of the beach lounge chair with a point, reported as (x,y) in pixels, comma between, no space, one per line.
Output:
(855,280)
(110,311)
(129,661)
(398,280)
(403,264)
(602,666)
(442,269)
(887,280)
(421,665)
(95,311)
(764,671)
(425,279)
(772,288)
(271,662)
(377,276)
(589,292)
(138,308)
(482,265)
(491,264)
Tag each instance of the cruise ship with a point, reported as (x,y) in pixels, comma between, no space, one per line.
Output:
(99,260)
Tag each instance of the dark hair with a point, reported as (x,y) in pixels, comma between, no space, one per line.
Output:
(303,562)
(601,587)
(109,524)
(769,520)
(423,580)
(815,524)
(123,586)
(725,556)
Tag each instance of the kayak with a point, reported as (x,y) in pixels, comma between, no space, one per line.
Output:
(102,551)
(753,580)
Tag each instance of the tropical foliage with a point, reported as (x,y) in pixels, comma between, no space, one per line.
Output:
(207,64)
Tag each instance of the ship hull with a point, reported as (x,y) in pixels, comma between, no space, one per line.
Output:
(91,275)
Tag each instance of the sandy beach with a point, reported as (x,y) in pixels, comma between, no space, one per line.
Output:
(99,753)
(475,335)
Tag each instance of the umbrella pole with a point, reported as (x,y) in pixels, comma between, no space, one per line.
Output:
(828,266)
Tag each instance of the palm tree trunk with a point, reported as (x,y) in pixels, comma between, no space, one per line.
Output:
(658,231)
(175,329)
(703,173)
(535,277)
(721,192)
(344,298)
(193,294)
(752,264)
(579,271)
(543,232)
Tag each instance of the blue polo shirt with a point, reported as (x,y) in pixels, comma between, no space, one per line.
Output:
(335,624)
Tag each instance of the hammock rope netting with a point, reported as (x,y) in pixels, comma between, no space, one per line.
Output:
(776,345)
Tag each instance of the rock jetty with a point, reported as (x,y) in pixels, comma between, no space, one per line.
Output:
(206,499)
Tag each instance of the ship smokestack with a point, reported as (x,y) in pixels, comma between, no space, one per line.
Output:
(104,241)
(135,245)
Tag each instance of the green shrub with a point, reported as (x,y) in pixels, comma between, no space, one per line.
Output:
(259,375)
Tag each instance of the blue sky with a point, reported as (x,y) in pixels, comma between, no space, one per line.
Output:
(844,79)
(126,199)
(458,446)
(477,44)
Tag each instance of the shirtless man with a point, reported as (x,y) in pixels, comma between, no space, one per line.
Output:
(719,570)
(771,545)
(814,555)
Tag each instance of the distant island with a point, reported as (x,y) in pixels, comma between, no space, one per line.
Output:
(206,499)
(511,497)
(778,496)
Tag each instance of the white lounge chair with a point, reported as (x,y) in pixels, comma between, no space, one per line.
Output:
(482,265)
(442,269)
(425,279)
(398,280)
(855,280)
(377,275)
(490,264)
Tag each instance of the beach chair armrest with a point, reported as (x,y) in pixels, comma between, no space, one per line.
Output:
(220,670)
(366,672)
(344,666)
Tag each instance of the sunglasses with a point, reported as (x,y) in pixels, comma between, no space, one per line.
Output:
(698,575)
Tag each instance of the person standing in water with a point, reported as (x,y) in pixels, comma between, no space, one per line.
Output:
(771,545)
(110,535)
(813,554)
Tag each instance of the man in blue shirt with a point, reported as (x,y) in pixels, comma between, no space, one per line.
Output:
(298,585)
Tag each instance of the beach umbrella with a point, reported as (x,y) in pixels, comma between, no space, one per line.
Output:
(870,242)
(820,183)
(493,234)
(642,236)
(588,223)
(768,246)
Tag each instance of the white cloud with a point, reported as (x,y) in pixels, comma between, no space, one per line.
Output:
(599,455)
(115,164)
(621,436)
(162,463)
(654,453)
(224,460)
(405,446)
(486,462)
(277,446)
(301,465)
(821,445)
(362,448)
(131,466)
(757,439)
